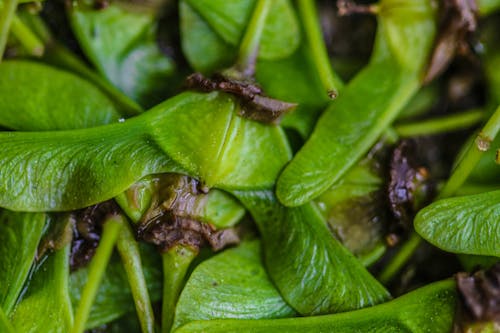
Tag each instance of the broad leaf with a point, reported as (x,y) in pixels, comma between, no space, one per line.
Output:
(121,42)
(468,224)
(46,306)
(20,234)
(366,106)
(429,309)
(224,23)
(233,284)
(314,273)
(40,97)
(66,170)
(294,79)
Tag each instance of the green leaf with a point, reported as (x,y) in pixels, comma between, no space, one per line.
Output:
(314,273)
(204,50)
(114,297)
(121,43)
(5,325)
(365,107)
(46,307)
(40,97)
(20,234)
(468,224)
(428,309)
(221,23)
(64,170)
(294,79)
(233,284)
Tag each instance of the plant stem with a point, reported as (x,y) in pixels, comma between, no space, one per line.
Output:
(31,43)
(176,262)
(442,124)
(249,47)
(7,12)
(97,267)
(472,155)
(131,258)
(404,253)
(309,16)
(457,178)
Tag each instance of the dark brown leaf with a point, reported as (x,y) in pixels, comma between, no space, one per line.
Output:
(480,294)
(255,105)
(457,25)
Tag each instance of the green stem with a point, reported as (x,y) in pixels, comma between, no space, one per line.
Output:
(472,156)
(7,12)
(309,16)
(97,267)
(31,43)
(131,258)
(176,262)
(457,178)
(442,124)
(404,253)
(249,47)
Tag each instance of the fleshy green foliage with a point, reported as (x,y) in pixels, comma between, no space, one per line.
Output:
(114,298)
(294,79)
(468,224)
(367,105)
(39,97)
(73,169)
(46,307)
(19,237)
(121,43)
(429,309)
(312,270)
(212,30)
(233,284)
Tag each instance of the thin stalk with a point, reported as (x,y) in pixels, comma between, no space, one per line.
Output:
(131,258)
(309,17)
(31,43)
(404,253)
(472,156)
(457,178)
(7,12)
(249,47)
(442,124)
(176,262)
(97,267)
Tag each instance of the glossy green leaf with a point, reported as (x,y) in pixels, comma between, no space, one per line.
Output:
(46,307)
(294,79)
(121,42)
(66,170)
(355,212)
(314,273)
(212,30)
(468,224)
(5,325)
(233,284)
(114,297)
(39,97)
(20,234)
(366,106)
(429,309)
